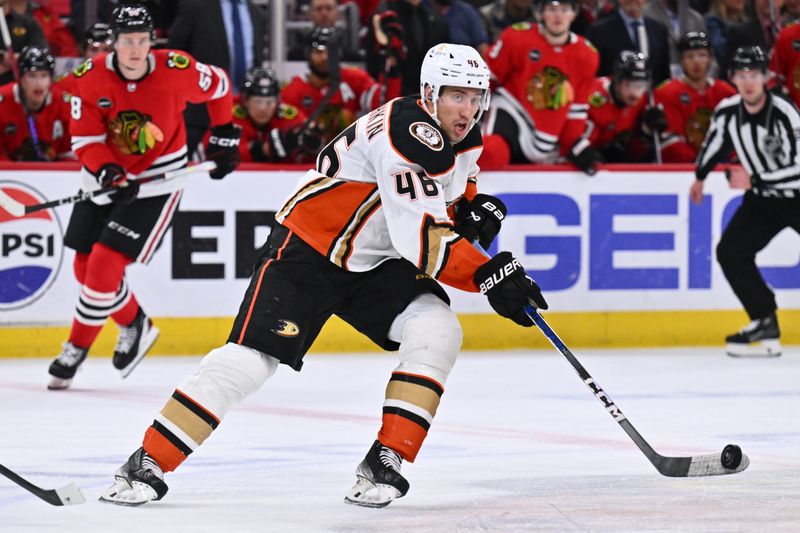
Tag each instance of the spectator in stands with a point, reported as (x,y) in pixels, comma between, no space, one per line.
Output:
(590,11)
(59,38)
(544,75)
(616,108)
(272,131)
(323,14)
(723,15)
(501,14)
(422,28)
(356,94)
(790,12)
(223,33)
(24,32)
(466,25)
(45,137)
(784,64)
(627,28)
(761,30)
(689,101)
(366,8)
(666,12)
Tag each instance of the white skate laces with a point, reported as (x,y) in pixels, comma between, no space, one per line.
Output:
(390,458)
(127,337)
(70,355)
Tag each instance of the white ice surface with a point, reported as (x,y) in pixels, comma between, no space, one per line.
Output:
(519,444)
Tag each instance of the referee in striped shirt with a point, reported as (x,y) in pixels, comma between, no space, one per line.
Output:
(764,130)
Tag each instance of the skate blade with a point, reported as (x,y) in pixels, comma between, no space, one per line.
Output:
(123,493)
(766,348)
(367,494)
(59,383)
(147,343)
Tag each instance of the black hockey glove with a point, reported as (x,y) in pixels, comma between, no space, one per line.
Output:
(654,119)
(113,175)
(504,282)
(223,149)
(480,219)
(583,156)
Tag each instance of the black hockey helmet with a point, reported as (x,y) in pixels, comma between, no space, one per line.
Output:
(260,81)
(631,65)
(132,18)
(694,40)
(99,34)
(33,59)
(320,37)
(747,58)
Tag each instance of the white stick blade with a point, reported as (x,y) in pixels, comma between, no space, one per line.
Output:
(711,465)
(14,208)
(70,494)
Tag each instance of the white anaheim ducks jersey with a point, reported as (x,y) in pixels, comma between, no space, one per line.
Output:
(381,190)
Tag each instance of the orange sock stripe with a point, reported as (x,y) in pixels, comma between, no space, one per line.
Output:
(258,288)
(166,454)
(402,435)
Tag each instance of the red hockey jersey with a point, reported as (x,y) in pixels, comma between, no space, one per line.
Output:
(785,60)
(51,124)
(286,117)
(139,124)
(552,83)
(688,116)
(608,120)
(358,93)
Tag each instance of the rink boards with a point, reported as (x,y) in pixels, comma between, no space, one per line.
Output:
(624,258)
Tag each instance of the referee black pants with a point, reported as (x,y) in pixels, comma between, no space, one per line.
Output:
(757,221)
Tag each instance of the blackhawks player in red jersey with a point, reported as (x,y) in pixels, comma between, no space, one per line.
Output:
(784,63)
(544,74)
(34,114)
(690,101)
(272,131)
(620,123)
(126,121)
(358,93)
(366,236)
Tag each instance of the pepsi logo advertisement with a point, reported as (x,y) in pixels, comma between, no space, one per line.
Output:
(31,249)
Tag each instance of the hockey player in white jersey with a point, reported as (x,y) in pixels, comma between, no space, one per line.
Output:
(388,213)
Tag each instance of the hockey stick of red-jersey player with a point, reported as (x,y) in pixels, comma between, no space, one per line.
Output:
(17,209)
(15,70)
(334,77)
(67,495)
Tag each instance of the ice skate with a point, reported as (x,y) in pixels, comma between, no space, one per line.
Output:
(133,343)
(760,338)
(64,367)
(137,482)
(379,480)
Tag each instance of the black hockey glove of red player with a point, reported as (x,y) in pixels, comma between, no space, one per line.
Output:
(654,119)
(583,156)
(503,280)
(480,219)
(223,149)
(283,143)
(113,175)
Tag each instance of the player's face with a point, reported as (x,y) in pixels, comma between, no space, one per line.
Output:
(456,108)
(695,64)
(557,17)
(318,61)
(93,50)
(35,86)
(631,91)
(132,50)
(750,84)
(261,109)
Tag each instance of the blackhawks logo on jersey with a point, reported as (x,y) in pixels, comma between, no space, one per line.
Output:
(796,78)
(550,89)
(597,99)
(83,68)
(697,126)
(333,120)
(133,133)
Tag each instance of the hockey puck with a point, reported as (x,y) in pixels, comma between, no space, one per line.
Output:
(731,457)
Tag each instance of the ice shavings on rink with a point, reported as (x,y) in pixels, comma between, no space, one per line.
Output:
(518,444)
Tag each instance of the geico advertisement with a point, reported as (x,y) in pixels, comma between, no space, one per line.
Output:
(617,241)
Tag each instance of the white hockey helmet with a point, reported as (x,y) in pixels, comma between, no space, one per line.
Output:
(454,65)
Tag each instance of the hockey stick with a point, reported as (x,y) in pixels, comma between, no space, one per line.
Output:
(651,100)
(17,209)
(67,495)
(730,461)
(15,70)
